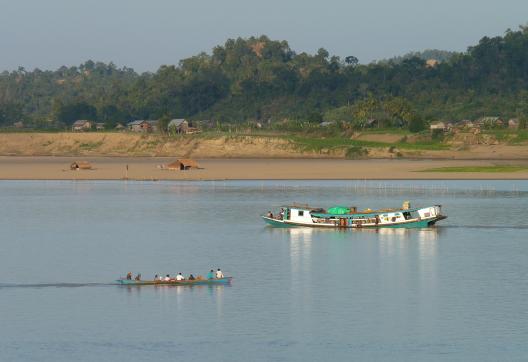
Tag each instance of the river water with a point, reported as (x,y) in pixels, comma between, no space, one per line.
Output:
(457,292)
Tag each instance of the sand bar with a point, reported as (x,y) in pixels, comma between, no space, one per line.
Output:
(145,168)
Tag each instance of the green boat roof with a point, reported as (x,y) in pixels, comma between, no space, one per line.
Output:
(362,214)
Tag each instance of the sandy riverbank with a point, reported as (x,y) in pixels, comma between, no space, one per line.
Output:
(145,168)
(115,144)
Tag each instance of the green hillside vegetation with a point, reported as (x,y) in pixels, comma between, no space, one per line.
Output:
(258,79)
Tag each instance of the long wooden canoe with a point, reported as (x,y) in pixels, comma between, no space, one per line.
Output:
(226,280)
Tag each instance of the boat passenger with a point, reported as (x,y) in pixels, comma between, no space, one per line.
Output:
(281,214)
(191,277)
(157,277)
(167,278)
(129,276)
(270,214)
(219,274)
(138,277)
(211,274)
(179,277)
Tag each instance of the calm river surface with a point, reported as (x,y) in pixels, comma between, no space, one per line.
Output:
(457,292)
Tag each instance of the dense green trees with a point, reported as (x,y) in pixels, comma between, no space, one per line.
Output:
(261,79)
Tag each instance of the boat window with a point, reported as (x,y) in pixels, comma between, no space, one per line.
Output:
(301,213)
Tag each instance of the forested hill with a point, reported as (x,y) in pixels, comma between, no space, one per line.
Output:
(261,79)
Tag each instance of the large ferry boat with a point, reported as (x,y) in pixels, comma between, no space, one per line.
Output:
(350,217)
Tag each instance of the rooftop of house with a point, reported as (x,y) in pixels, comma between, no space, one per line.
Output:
(80,122)
(136,122)
(176,122)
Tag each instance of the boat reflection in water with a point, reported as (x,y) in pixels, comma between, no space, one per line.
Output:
(395,245)
(305,234)
(367,260)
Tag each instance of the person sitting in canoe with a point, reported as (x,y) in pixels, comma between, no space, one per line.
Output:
(138,277)
(191,277)
(167,278)
(219,274)
(211,274)
(179,277)
(270,214)
(129,276)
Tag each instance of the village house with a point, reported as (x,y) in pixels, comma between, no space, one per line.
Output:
(490,122)
(99,126)
(119,127)
(139,126)
(438,126)
(466,123)
(81,125)
(154,125)
(513,123)
(18,124)
(182,126)
(178,125)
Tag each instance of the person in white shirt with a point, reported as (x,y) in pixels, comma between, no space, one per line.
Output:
(167,278)
(179,277)
(219,274)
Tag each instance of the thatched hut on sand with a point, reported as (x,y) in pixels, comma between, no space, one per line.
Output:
(80,165)
(182,164)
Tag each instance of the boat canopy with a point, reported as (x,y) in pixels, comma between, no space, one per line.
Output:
(360,214)
(339,210)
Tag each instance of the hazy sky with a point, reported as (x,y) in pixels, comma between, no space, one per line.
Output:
(145,34)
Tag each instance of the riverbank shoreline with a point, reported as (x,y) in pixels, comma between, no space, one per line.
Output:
(149,168)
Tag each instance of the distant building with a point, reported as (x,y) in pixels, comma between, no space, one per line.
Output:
(18,124)
(255,124)
(139,126)
(431,63)
(372,123)
(513,123)
(178,125)
(438,126)
(154,125)
(99,126)
(82,125)
(466,123)
(326,124)
(490,122)
(119,127)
